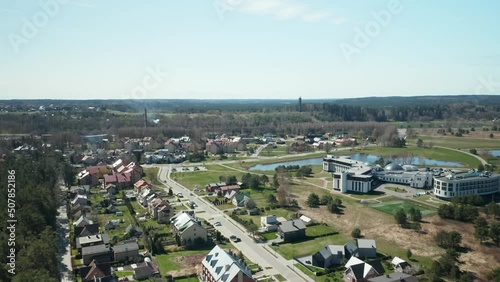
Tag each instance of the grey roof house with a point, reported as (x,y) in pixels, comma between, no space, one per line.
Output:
(292,230)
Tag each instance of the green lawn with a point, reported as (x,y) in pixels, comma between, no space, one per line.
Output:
(319,230)
(290,250)
(124,273)
(460,142)
(392,207)
(199,179)
(151,174)
(279,277)
(334,276)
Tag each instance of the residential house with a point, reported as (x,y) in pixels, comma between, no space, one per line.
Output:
(164,213)
(187,229)
(359,271)
(292,230)
(141,185)
(269,223)
(230,195)
(133,230)
(82,221)
(328,256)
(400,265)
(211,187)
(126,251)
(109,225)
(120,180)
(92,240)
(221,265)
(99,253)
(394,277)
(142,198)
(145,270)
(91,175)
(86,230)
(80,200)
(229,188)
(351,250)
(80,189)
(241,199)
(100,272)
(111,189)
(367,248)
(160,210)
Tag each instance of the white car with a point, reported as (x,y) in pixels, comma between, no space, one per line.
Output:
(217,223)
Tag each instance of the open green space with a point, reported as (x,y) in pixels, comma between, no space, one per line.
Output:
(392,207)
(124,273)
(460,142)
(308,247)
(319,230)
(279,277)
(151,174)
(199,179)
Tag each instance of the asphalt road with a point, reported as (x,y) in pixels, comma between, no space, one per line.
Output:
(63,240)
(255,252)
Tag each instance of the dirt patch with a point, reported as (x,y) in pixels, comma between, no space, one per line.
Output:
(188,265)
(479,259)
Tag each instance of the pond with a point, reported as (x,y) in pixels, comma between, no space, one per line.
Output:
(363,158)
(495,153)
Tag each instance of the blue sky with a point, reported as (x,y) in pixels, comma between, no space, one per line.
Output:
(223,49)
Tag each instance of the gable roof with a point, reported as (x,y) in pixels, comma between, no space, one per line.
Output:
(94,170)
(83,221)
(367,243)
(351,248)
(96,249)
(89,229)
(224,266)
(330,250)
(292,225)
(95,270)
(125,247)
(183,221)
(144,269)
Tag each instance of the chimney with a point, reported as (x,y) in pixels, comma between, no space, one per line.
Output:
(300,104)
(145,118)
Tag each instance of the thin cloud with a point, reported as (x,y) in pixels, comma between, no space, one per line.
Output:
(287,10)
(12,11)
(82,4)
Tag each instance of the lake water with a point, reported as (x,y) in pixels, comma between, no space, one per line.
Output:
(495,153)
(363,158)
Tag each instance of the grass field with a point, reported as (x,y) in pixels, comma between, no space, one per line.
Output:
(392,207)
(290,250)
(460,142)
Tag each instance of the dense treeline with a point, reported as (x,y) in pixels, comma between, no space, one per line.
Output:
(36,203)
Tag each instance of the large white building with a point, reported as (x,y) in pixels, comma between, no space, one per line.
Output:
(349,175)
(463,184)
(355,176)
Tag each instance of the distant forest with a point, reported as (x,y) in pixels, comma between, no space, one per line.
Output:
(252,117)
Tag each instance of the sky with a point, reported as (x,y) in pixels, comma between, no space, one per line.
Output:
(247,49)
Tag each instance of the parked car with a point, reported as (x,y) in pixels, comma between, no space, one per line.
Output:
(217,223)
